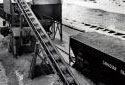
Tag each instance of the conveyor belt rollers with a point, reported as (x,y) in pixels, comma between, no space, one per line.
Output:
(54,56)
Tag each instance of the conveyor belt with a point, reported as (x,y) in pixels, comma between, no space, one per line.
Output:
(54,56)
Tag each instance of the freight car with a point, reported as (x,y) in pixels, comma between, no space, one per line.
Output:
(99,57)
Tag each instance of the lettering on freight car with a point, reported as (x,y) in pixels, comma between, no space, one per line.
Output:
(79,58)
(109,65)
(122,72)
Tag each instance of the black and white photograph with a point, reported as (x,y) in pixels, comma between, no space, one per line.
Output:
(62,42)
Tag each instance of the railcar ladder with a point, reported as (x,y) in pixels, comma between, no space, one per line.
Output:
(54,56)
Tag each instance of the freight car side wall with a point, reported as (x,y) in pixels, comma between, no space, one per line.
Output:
(95,57)
(100,63)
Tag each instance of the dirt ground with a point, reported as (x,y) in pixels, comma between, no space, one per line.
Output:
(13,67)
(8,62)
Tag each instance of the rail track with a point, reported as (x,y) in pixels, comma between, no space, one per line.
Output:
(110,32)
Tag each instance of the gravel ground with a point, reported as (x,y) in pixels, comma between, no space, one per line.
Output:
(20,66)
(8,62)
